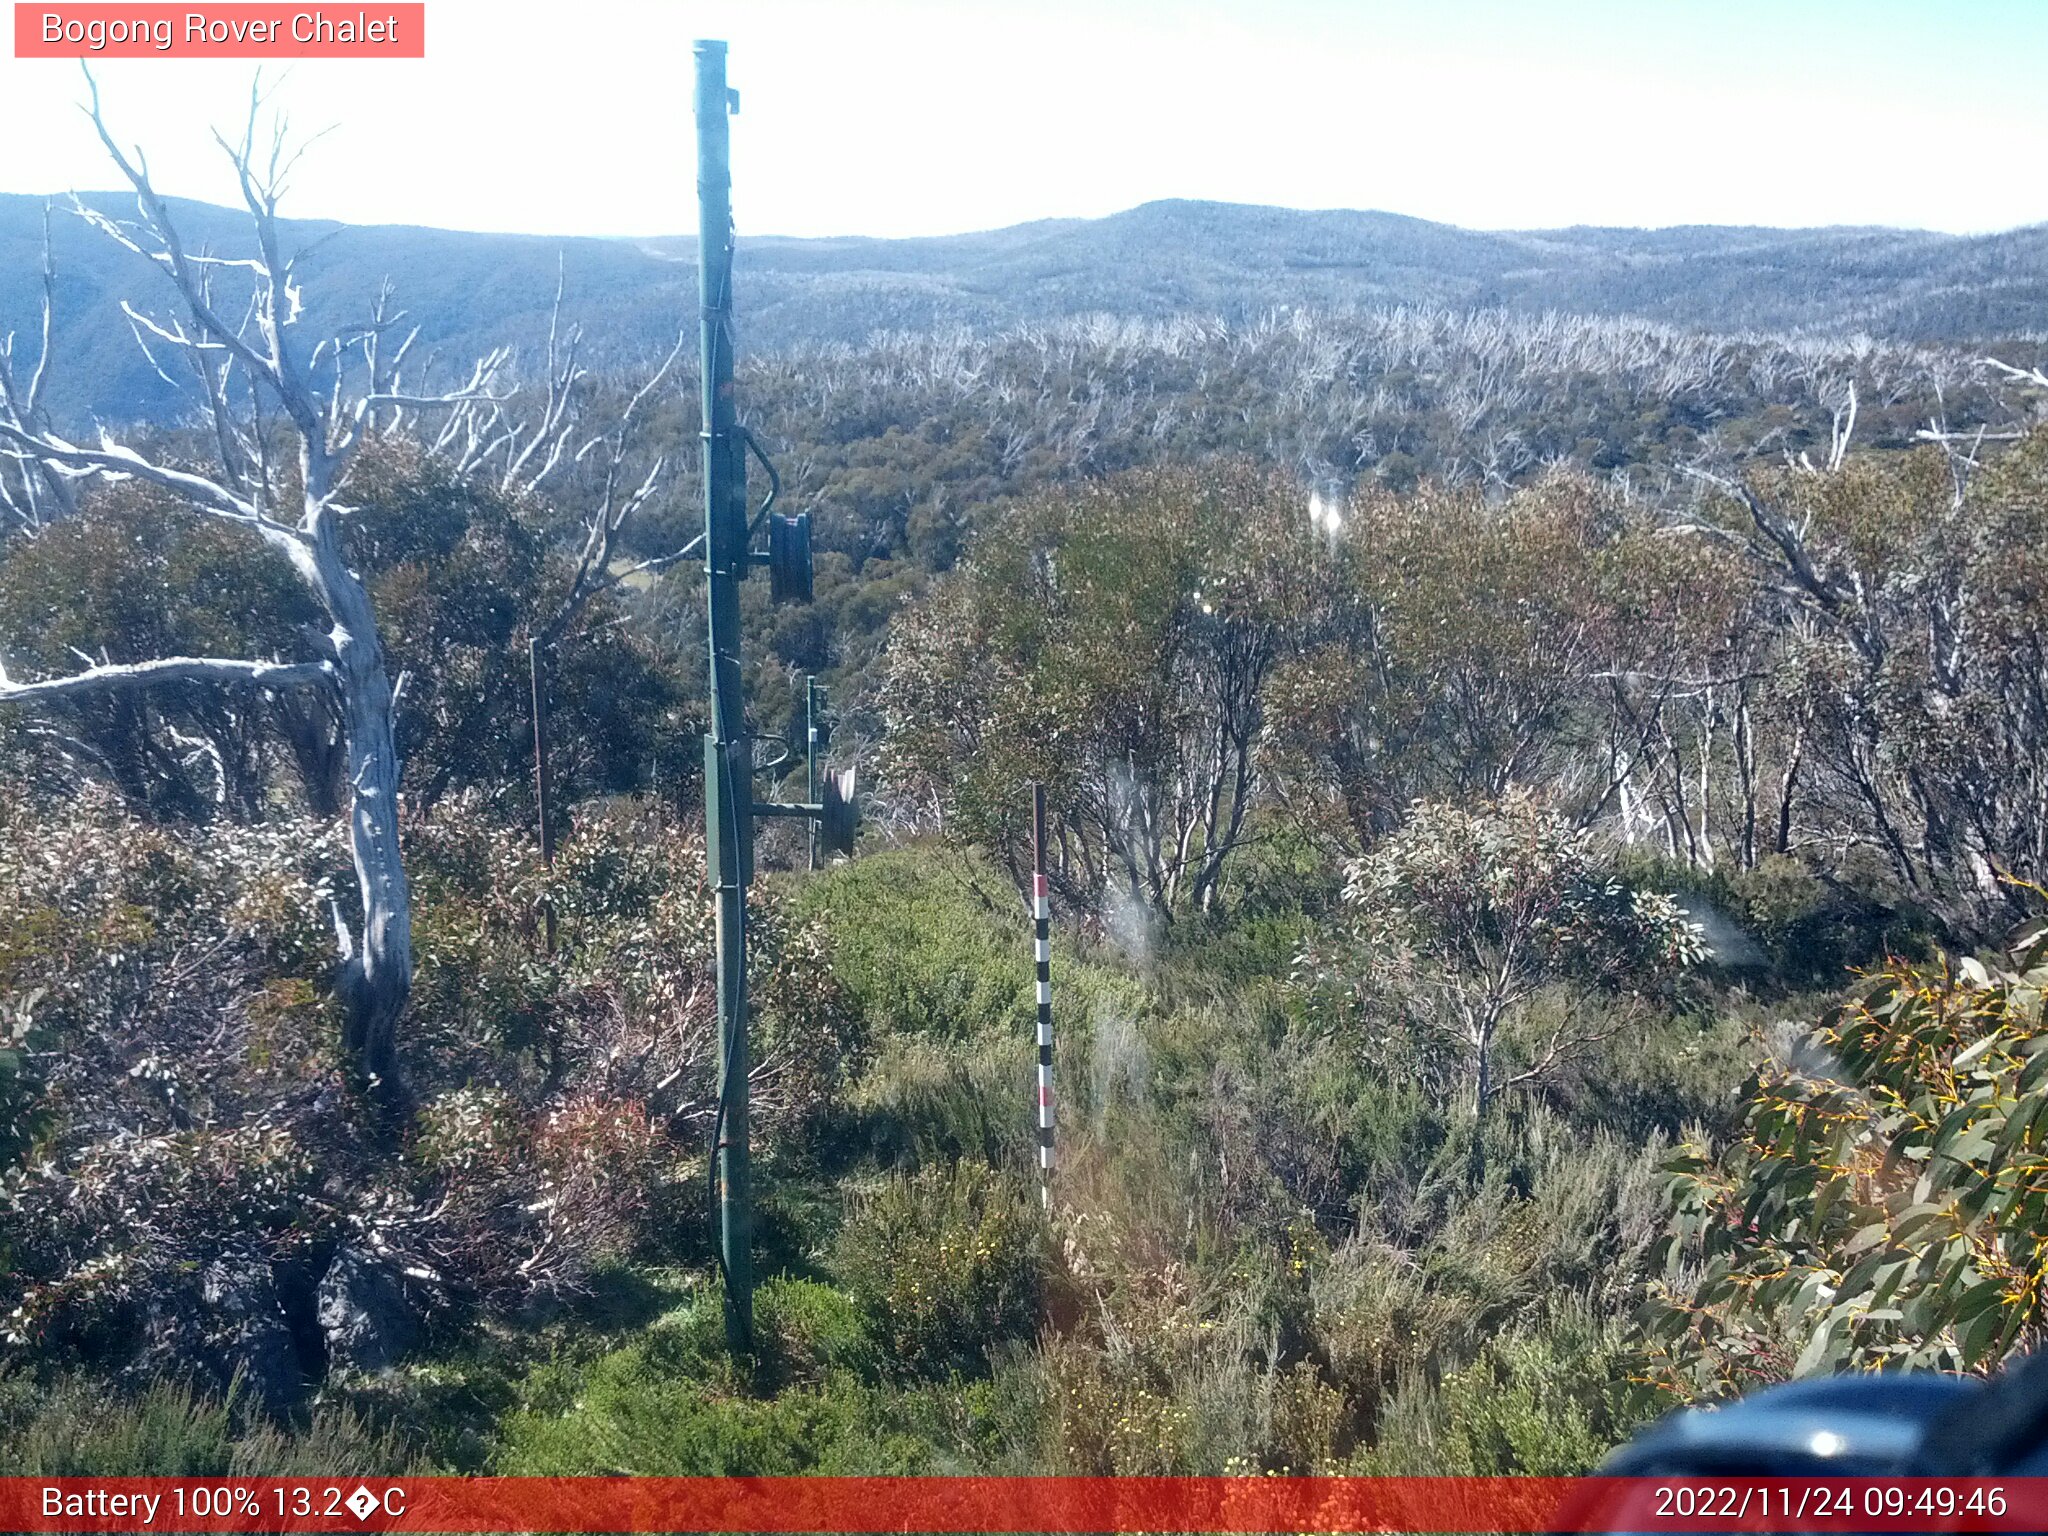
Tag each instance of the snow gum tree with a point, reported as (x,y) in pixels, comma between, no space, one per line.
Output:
(1114,641)
(284,418)
(1457,919)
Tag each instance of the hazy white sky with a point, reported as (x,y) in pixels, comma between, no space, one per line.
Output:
(893,117)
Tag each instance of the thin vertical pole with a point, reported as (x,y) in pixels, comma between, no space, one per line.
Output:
(536,660)
(811,762)
(1041,915)
(728,758)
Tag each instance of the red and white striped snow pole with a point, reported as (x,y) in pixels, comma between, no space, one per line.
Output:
(1041,923)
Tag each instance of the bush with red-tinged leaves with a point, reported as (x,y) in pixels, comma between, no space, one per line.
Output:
(186,1152)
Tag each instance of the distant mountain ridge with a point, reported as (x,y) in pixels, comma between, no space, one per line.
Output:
(1233,262)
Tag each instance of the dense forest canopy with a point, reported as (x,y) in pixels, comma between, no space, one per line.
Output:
(1493,695)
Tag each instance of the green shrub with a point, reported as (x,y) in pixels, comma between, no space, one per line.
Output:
(75,1427)
(1886,1203)
(1115,1421)
(674,1404)
(946,1266)
(183,1103)
(926,1101)
(1541,1401)
(926,944)
(1278,885)
(630,1421)
(1779,925)
(805,1332)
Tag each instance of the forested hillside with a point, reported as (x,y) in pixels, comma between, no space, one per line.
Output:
(1161,261)
(1543,739)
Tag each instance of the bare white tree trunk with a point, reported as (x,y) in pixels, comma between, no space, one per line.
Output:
(329,401)
(377,977)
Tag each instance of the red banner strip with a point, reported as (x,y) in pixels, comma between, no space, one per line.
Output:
(380,29)
(1021,1504)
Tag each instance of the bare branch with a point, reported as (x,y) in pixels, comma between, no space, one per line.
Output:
(24,407)
(2022,375)
(107,678)
(657,562)
(1844,428)
(117,461)
(173,260)
(552,431)
(33,403)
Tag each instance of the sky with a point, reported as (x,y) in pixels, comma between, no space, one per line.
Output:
(911,117)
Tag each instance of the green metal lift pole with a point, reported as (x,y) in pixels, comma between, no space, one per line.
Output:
(728,753)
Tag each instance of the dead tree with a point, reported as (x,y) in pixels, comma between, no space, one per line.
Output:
(521,451)
(32,491)
(286,421)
